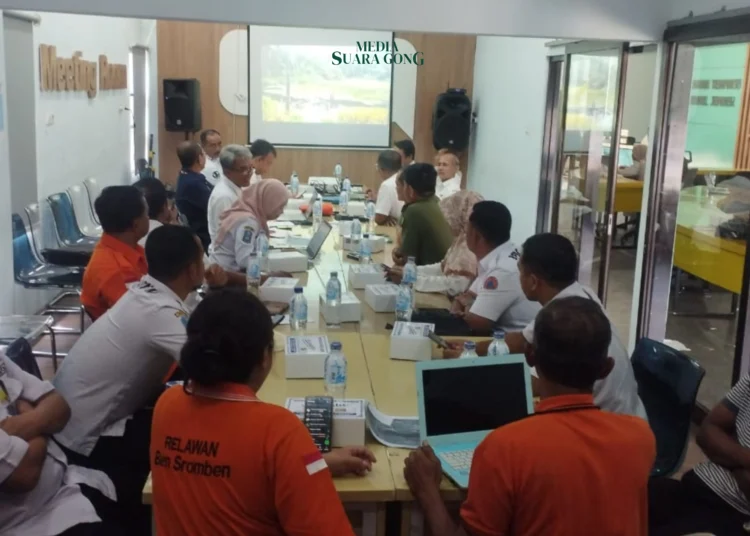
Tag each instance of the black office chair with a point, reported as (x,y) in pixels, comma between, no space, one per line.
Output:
(20,352)
(668,383)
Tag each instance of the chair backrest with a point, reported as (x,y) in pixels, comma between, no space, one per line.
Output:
(82,209)
(65,218)
(43,231)
(20,352)
(94,190)
(23,257)
(668,383)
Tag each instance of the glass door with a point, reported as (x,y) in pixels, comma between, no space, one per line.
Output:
(588,150)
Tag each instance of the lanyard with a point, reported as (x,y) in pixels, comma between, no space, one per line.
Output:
(219,394)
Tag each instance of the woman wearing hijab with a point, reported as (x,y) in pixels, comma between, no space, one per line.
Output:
(459,267)
(240,225)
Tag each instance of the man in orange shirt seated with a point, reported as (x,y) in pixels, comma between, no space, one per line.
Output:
(570,468)
(117,259)
(225,462)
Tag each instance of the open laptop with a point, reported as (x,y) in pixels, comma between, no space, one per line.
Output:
(462,400)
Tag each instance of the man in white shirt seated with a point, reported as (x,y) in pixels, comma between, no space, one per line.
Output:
(548,268)
(387,206)
(407,151)
(211,144)
(449,176)
(495,299)
(118,367)
(264,155)
(39,494)
(161,209)
(237,167)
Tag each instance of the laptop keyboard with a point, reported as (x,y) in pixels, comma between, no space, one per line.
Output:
(459,459)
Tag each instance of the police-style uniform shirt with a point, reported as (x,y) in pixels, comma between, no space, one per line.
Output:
(233,253)
(119,364)
(55,504)
(718,478)
(224,462)
(212,170)
(387,202)
(618,392)
(223,197)
(255,178)
(193,191)
(499,296)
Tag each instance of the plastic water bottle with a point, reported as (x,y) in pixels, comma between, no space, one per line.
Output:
(346,186)
(365,251)
(356,229)
(410,272)
(335,371)
(343,202)
(338,171)
(317,213)
(470,350)
(294,184)
(498,346)
(370,215)
(333,300)
(253,274)
(261,248)
(404,303)
(298,310)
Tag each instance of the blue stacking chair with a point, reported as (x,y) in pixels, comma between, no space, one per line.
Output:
(65,221)
(30,272)
(668,383)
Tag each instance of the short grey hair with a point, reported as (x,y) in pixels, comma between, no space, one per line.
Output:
(231,153)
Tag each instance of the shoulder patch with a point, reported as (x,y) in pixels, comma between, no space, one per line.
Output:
(183,316)
(515,255)
(215,174)
(490,283)
(247,235)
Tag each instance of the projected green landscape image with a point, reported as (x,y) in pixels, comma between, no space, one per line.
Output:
(301,85)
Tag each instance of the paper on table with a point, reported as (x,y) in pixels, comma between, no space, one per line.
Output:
(397,432)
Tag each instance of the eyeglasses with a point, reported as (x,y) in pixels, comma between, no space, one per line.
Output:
(243,171)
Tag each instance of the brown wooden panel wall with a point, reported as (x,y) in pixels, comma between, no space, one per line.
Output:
(191,50)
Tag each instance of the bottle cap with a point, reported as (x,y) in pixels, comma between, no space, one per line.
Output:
(298,290)
(469,345)
(335,346)
(411,259)
(498,334)
(366,235)
(334,274)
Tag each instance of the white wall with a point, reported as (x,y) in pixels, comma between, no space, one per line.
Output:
(6,243)
(510,85)
(639,89)
(595,19)
(79,137)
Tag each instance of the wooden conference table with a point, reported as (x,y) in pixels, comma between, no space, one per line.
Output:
(372,375)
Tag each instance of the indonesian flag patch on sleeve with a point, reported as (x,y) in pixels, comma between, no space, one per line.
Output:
(314,463)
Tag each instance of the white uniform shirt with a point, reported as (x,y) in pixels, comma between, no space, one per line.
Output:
(222,197)
(152,224)
(255,178)
(212,170)
(120,363)
(618,392)
(447,188)
(233,253)
(387,203)
(499,296)
(54,505)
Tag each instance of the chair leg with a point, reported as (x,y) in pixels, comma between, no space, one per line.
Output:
(62,296)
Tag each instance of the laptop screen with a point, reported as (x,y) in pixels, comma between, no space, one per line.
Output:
(473,399)
(308,212)
(316,242)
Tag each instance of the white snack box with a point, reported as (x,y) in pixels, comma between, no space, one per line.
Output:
(305,356)
(377,244)
(356,208)
(348,419)
(350,309)
(278,289)
(382,298)
(295,203)
(409,341)
(361,275)
(287,261)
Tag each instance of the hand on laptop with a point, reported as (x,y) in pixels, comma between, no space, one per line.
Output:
(350,460)
(454,352)
(423,472)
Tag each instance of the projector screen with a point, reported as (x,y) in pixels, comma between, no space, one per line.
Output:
(311,87)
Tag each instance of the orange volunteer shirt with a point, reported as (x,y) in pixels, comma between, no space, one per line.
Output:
(558,473)
(113,265)
(238,467)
